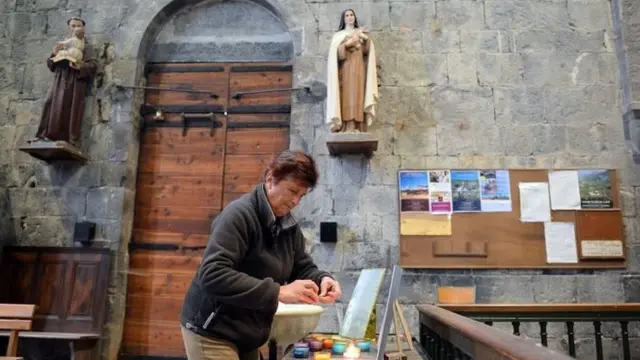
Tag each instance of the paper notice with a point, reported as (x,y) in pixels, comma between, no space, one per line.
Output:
(560,242)
(602,248)
(564,188)
(534,202)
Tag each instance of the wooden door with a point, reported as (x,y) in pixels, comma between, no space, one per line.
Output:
(188,171)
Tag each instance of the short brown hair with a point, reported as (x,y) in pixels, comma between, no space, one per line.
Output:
(294,164)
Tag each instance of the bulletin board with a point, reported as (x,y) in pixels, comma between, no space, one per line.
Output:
(439,236)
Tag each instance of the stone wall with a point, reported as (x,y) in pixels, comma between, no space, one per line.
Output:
(463,83)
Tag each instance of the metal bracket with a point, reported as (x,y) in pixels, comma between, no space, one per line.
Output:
(187,118)
(154,88)
(316,89)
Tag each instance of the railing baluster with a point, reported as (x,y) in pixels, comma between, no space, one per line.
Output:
(625,340)
(572,340)
(457,354)
(490,323)
(516,328)
(597,327)
(543,333)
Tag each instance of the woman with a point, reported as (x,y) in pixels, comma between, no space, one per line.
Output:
(255,259)
(352,83)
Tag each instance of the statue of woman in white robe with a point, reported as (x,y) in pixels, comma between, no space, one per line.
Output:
(352,84)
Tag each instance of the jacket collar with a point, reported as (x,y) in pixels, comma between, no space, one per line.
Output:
(266,212)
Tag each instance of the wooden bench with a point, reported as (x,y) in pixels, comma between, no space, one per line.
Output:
(15,318)
(68,287)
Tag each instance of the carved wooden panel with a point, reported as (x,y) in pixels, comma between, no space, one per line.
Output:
(69,286)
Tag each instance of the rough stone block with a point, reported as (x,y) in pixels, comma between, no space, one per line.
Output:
(327,257)
(371,15)
(390,232)
(460,14)
(631,288)
(405,107)
(27,25)
(381,199)
(48,201)
(407,70)
(421,141)
(461,106)
(590,15)
(397,41)
(362,255)
(441,41)
(382,169)
(555,288)
(491,41)
(603,288)
(499,69)
(583,105)
(521,14)
(411,15)
(44,230)
(462,69)
(535,140)
(560,41)
(524,105)
(106,203)
(504,289)
(629,201)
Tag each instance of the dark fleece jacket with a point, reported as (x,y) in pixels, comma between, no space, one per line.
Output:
(234,293)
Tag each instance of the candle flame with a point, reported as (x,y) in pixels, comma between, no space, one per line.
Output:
(352,352)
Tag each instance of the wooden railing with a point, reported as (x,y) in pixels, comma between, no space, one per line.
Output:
(465,332)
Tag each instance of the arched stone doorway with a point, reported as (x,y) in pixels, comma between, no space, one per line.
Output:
(203,35)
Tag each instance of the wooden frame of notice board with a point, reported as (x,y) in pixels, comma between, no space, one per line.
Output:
(500,239)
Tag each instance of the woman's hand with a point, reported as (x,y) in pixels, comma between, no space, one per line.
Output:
(329,290)
(299,291)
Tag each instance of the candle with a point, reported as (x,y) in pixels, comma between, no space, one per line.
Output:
(352,352)
(315,345)
(322,356)
(363,345)
(328,343)
(338,348)
(300,352)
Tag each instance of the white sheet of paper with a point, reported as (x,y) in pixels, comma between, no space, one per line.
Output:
(534,202)
(564,189)
(560,242)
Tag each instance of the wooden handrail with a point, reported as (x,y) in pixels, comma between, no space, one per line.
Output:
(482,341)
(541,308)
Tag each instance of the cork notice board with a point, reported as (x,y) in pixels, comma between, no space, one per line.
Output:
(500,239)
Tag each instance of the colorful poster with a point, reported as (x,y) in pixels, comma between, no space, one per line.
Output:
(495,191)
(414,191)
(465,185)
(440,191)
(595,189)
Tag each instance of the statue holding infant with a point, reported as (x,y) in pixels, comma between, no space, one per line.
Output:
(352,84)
(73,65)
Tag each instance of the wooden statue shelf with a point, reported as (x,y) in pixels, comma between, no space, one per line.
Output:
(352,89)
(474,218)
(73,65)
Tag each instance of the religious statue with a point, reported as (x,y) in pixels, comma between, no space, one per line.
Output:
(72,49)
(73,66)
(352,84)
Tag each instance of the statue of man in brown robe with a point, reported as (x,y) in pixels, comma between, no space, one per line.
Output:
(63,109)
(352,84)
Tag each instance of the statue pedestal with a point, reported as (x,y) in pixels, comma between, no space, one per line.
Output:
(54,151)
(352,143)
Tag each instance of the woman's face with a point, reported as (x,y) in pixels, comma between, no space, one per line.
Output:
(349,17)
(285,194)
